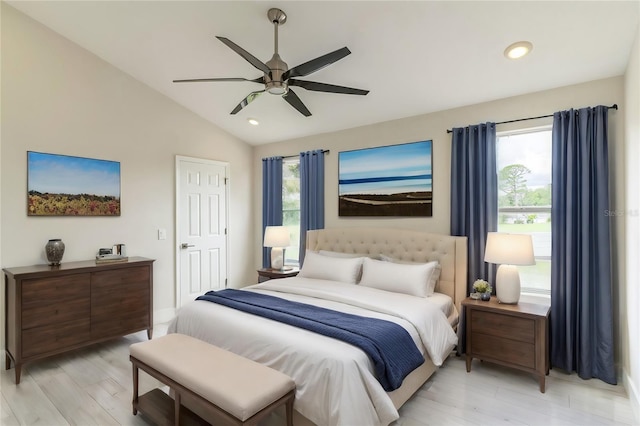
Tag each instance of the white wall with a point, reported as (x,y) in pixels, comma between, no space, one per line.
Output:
(59,98)
(434,126)
(631,335)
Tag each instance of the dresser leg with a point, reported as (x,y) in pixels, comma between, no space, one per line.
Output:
(542,383)
(7,361)
(135,389)
(468,363)
(149,333)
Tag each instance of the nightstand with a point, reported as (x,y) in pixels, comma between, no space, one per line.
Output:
(265,274)
(516,336)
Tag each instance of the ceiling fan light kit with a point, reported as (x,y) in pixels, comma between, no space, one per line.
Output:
(278,78)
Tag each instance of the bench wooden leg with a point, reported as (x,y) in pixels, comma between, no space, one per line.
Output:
(177,408)
(135,389)
(289,411)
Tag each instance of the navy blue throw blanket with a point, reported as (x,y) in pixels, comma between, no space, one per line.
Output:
(390,347)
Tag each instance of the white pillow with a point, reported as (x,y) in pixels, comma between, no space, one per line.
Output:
(321,267)
(433,279)
(412,279)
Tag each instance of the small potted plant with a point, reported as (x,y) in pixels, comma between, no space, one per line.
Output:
(483,289)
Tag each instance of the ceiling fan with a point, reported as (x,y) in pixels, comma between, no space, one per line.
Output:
(278,77)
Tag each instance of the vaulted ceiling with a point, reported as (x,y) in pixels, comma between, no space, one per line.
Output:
(414,57)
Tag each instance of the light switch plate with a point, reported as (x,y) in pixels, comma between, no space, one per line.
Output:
(162,234)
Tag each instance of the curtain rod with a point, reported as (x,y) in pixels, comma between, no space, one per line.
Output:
(324,151)
(614,106)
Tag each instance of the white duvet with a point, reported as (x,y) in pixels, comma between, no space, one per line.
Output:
(335,381)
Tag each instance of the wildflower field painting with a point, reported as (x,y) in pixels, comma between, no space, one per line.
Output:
(62,185)
(392,180)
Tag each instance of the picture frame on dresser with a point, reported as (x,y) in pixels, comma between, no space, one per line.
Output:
(55,309)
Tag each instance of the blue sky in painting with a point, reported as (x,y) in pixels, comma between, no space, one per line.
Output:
(61,174)
(371,166)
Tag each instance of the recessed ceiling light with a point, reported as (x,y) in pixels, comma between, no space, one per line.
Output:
(253,121)
(518,50)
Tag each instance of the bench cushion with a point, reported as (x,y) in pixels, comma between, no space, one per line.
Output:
(235,384)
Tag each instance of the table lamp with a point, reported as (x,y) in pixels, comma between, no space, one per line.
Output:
(508,250)
(277,237)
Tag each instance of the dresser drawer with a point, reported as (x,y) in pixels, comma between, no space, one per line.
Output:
(120,302)
(106,281)
(120,326)
(502,325)
(49,338)
(46,291)
(48,313)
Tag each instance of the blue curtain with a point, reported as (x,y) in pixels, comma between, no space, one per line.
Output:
(311,195)
(271,199)
(581,292)
(474,201)
(474,194)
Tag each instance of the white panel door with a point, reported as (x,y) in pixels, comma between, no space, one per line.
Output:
(202,227)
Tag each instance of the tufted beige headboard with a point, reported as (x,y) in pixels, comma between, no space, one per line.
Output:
(406,245)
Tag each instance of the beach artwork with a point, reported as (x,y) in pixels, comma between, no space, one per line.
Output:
(392,180)
(62,185)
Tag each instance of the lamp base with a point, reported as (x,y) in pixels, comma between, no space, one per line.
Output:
(277,258)
(508,284)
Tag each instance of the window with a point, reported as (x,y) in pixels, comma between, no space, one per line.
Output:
(291,207)
(524,199)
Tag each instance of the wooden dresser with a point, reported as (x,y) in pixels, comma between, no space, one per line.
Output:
(54,309)
(512,335)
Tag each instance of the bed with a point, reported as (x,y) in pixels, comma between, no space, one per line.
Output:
(336,383)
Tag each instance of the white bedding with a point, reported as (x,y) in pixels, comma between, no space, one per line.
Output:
(335,381)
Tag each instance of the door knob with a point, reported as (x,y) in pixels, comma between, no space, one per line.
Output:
(185,245)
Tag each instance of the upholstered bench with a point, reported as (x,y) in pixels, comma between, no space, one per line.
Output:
(216,383)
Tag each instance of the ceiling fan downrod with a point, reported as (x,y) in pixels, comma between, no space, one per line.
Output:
(273,81)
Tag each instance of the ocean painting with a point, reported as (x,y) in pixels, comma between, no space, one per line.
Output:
(392,180)
(62,185)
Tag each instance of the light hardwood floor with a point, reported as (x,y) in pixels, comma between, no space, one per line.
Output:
(93,386)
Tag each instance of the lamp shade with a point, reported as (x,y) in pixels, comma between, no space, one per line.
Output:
(509,249)
(277,236)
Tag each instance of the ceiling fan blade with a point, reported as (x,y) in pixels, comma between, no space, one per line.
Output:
(316,64)
(295,102)
(323,87)
(246,55)
(246,101)
(192,80)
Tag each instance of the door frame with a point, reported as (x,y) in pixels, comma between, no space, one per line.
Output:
(176,225)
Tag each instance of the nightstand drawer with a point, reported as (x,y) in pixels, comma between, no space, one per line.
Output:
(505,350)
(503,326)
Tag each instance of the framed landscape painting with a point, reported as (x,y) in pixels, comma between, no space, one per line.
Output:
(392,180)
(62,185)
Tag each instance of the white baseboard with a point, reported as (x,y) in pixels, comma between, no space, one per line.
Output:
(163,315)
(634,395)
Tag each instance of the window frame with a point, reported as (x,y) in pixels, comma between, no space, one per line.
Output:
(525,290)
